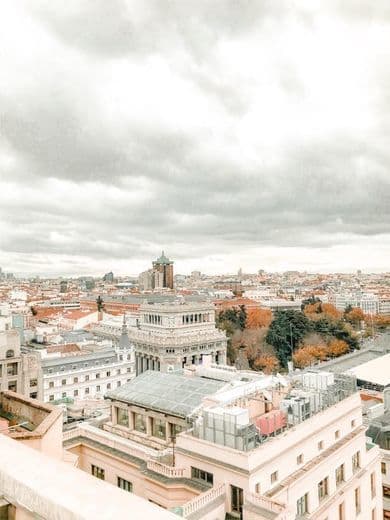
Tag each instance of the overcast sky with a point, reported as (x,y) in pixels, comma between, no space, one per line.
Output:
(251,134)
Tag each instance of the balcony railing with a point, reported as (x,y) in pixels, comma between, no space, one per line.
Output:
(203,500)
(110,440)
(265,503)
(163,469)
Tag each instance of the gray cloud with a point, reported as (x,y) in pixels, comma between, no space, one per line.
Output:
(103,163)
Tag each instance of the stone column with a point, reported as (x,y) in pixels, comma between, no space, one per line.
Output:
(168,431)
(131,420)
(149,426)
(114,415)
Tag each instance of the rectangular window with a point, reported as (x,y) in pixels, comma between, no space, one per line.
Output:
(51,384)
(118,371)
(302,505)
(258,488)
(323,489)
(87,377)
(373,485)
(340,475)
(202,475)
(159,428)
(128,370)
(237,499)
(320,445)
(87,390)
(356,461)
(274,477)
(139,423)
(63,382)
(337,434)
(75,393)
(12,385)
(97,388)
(51,397)
(353,423)
(357,501)
(33,382)
(97,472)
(108,386)
(383,468)
(12,369)
(176,429)
(108,374)
(118,383)
(341,511)
(122,417)
(98,376)
(75,380)
(63,394)
(125,484)
(300,458)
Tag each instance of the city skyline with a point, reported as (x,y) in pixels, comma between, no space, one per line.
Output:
(230,134)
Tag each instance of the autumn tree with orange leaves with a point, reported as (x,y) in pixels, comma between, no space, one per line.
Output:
(257,318)
(355,315)
(318,310)
(337,347)
(267,363)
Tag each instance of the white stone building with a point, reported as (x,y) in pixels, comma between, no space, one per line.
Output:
(170,336)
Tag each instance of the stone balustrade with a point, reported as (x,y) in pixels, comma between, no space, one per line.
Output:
(163,469)
(265,503)
(203,500)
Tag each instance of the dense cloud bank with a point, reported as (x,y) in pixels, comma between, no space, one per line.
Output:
(230,133)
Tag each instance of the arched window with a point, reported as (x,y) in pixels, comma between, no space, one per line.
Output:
(10,353)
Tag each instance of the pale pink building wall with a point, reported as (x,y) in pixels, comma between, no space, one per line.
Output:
(170,495)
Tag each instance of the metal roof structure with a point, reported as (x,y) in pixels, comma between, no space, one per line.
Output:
(176,394)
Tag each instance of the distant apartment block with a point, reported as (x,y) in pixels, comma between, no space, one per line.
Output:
(86,376)
(10,361)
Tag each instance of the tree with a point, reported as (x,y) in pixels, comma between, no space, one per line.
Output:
(242,315)
(320,310)
(286,332)
(336,329)
(257,318)
(337,347)
(354,316)
(303,358)
(267,363)
(306,356)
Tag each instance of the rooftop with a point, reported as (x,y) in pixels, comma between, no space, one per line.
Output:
(376,371)
(24,418)
(175,394)
(163,259)
(51,488)
(77,358)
